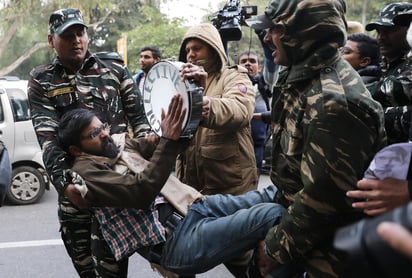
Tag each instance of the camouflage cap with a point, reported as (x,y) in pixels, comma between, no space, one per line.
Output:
(403,19)
(387,14)
(260,22)
(278,10)
(62,19)
(272,12)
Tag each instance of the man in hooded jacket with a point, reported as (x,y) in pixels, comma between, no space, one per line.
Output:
(220,157)
(326,129)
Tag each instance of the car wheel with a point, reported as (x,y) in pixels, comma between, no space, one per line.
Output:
(27,186)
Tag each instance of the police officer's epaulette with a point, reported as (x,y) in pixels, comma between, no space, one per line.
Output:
(109,56)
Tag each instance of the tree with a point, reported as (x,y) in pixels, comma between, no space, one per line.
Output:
(167,35)
(23,28)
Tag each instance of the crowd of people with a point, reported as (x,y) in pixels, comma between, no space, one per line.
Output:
(330,101)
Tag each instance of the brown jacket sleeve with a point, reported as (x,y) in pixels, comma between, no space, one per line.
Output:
(106,187)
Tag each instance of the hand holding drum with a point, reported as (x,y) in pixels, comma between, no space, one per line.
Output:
(192,72)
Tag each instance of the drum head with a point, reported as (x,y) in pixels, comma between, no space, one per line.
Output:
(161,84)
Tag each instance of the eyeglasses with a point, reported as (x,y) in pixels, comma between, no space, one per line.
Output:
(95,132)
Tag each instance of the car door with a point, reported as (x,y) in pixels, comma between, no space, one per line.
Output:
(6,123)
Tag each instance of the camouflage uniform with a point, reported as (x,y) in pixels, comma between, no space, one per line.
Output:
(104,85)
(390,89)
(326,130)
(397,103)
(405,76)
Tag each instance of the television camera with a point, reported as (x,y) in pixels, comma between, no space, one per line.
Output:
(230,18)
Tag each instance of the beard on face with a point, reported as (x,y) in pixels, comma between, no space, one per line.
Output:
(108,148)
(146,68)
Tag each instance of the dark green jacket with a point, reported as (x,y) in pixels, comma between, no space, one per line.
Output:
(326,130)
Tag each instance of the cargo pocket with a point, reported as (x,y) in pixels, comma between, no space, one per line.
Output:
(222,166)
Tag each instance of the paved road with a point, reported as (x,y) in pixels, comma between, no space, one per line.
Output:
(30,245)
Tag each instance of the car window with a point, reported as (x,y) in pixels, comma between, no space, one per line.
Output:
(19,103)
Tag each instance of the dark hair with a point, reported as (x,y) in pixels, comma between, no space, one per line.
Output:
(154,49)
(368,46)
(247,52)
(71,125)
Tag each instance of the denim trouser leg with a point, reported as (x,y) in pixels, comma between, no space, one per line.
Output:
(219,228)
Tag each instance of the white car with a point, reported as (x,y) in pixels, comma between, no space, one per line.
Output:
(29,180)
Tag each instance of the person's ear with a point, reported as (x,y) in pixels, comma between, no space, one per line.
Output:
(74,150)
(364,62)
(50,40)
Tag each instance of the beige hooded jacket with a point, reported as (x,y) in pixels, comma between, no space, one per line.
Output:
(220,158)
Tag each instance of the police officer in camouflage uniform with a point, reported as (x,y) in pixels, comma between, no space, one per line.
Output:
(388,90)
(405,19)
(326,130)
(78,78)
(375,197)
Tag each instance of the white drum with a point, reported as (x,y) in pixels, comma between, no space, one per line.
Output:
(161,84)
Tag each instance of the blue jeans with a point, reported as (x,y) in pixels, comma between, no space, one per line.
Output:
(219,228)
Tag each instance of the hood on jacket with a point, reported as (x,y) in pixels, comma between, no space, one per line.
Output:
(314,29)
(210,35)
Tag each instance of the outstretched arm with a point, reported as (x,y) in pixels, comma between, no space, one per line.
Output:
(106,187)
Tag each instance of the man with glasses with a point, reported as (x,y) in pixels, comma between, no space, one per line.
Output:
(168,222)
(388,90)
(100,82)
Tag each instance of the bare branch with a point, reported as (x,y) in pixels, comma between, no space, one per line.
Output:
(22,58)
(95,24)
(9,35)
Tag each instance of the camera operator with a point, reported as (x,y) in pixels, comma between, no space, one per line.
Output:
(229,19)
